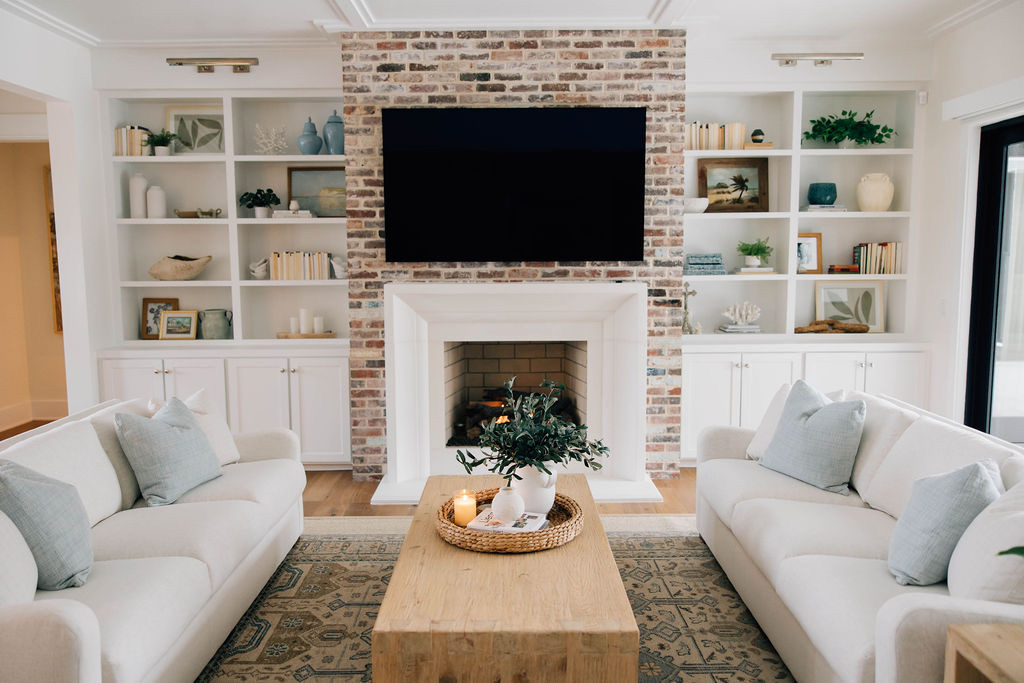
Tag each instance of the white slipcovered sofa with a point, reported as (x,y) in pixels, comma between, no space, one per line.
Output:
(168,583)
(811,565)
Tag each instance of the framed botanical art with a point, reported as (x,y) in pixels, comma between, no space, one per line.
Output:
(733,185)
(320,189)
(178,324)
(200,128)
(851,301)
(808,252)
(151,310)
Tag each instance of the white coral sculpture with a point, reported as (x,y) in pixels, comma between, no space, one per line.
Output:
(270,141)
(742,314)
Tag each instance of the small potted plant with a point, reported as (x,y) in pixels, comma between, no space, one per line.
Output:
(755,252)
(526,446)
(260,201)
(161,142)
(836,129)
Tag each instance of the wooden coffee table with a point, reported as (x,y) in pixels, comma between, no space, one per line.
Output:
(460,616)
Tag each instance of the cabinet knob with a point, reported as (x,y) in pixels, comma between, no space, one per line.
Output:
(871,365)
(283,370)
(746,365)
(156,372)
(738,365)
(293,371)
(167,372)
(862,364)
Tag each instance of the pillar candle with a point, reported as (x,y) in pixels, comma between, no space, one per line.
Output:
(318,324)
(305,321)
(465,507)
(293,325)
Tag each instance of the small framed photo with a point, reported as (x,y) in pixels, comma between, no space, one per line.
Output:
(851,301)
(200,128)
(808,252)
(733,185)
(151,310)
(178,324)
(320,189)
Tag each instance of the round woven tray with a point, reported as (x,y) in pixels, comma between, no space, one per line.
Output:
(565,522)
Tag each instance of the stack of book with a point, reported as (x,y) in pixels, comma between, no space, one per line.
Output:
(130,141)
(825,207)
(301,213)
(754,270)
(879,258)
(715,135)
(850,269)
(704,264)
(737,328)
(300,265)
(528,521)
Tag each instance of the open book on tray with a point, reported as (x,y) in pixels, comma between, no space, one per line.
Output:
(528,521)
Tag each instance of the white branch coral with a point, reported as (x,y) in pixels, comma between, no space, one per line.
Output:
(742,314)
(270,141)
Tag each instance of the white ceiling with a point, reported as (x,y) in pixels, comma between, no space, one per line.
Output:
(112,23)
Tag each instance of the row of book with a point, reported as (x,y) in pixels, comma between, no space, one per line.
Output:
(130,141)
(716,135)
(879,258)
(300,265)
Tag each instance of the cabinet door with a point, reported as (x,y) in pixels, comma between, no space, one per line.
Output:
(900,374)
(257,394)
(761,376)
(185,376)
(711,395)
(319,402)
(126,378)
(829,371)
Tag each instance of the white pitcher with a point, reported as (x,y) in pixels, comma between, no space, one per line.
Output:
(536,488)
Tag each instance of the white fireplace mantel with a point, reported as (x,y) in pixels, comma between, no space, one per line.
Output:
(420,317)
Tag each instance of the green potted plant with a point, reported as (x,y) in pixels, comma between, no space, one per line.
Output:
(525,448)
(260,201)
(836,129)
(754,252)
(161,142)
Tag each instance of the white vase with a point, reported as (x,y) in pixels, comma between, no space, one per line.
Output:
(156,202)
(536,488)
(137,196)
(751,261)
(875,192)
(262,211)
(507,505)
(161,151)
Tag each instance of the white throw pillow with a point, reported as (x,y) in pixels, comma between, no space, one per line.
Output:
(214,426)
(1013,471)
(884,424)
(975,570)
(769,423)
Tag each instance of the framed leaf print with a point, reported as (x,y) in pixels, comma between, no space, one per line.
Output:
(851,301)
(200,128)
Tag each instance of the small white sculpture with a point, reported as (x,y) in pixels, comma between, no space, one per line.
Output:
(270,141)
(743,314)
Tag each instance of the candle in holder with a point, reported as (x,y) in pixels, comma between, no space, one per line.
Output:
(465,507)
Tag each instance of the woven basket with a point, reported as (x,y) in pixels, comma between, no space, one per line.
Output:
(565,522)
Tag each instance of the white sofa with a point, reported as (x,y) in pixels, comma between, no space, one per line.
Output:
(169,583)
(812,565)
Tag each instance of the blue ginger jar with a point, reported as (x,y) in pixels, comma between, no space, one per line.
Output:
(309,141)
(334,134)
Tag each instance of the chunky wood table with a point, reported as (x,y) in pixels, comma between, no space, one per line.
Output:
(457,616)
(977,653)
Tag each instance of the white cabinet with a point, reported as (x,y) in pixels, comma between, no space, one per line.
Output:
(258,394)
(761,376)
(128,378)
(131,378)
(835,371)
(185,376)
(900,374)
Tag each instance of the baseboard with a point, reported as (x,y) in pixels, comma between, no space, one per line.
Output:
(49,409)
(15,415)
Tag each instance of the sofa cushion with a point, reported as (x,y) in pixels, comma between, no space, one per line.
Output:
(771,531)
(220,534)
(275,484)
(927,447)
(103,424)
(19,575)
(142,606)
(1012,470)
(884,423)
(727,482)
(213,425)
(73,454)
(817,439)
(976,571)
(835,600)
(769,423)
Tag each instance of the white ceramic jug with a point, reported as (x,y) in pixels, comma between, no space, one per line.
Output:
(536,488)
(875,192)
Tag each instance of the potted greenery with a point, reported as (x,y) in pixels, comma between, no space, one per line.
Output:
(161,142)
(525,448)
(754,252)
(837,129)
(260,201)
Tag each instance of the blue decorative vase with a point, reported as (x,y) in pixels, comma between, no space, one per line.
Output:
(334,134)
(821,193)
(309,141)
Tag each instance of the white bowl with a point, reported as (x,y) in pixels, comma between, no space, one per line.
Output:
(695,204)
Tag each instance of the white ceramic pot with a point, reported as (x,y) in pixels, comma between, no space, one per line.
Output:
(536,488)
(161,151)
(262,211)
(875,192)
(752,261)
(156,202)
(137,196)
(507,505)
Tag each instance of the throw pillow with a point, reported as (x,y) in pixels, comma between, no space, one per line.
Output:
(169,452)
(816,440)
(213,425)
(976,570)
(884,423)
(939,510)
(769,423)
(52,519)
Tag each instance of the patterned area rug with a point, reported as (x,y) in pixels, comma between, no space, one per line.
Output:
(312,621)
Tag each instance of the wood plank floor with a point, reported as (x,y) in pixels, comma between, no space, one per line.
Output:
(333,494)
(14,431)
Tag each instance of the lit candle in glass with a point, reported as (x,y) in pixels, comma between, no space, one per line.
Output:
(465,507)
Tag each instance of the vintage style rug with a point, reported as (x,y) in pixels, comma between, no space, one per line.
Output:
(313,620)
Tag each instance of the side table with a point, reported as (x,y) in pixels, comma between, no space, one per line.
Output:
(985,652)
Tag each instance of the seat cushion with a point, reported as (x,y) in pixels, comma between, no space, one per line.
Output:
(725,483)
(103,424)
(142,606)
(976,570)
(771,531)
(220,534)
(884,424)
(274,484)
(835,600)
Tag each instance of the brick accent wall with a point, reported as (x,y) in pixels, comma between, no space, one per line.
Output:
(514,68)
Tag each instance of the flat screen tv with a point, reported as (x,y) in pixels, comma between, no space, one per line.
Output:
(514,184)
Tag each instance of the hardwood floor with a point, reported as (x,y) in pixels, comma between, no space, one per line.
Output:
(14,431)
(333,494)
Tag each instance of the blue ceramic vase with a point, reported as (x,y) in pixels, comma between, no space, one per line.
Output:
(309,141)
(821,193)
(334,134)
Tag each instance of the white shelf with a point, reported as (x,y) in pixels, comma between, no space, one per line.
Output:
(839,215)
(291,158)
(732,277)
(868,151)
(292,221)
(174,159)
(851,276)
(729,153)
(294,283)
(745,215)
(172,221)
(175,283)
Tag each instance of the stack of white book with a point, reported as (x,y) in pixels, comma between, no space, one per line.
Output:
(528,521)
(737,328)
(285,213)
(825,207)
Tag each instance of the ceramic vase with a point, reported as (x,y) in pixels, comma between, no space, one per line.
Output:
(334,134)
(309,142)
(162,151)
(875,192)
(752,261)
(156,202)
(536,488)
(137,196)
(215,323)
(262,211)
(821,193)
(507,505)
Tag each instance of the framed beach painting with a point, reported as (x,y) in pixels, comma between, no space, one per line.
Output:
(851,301)
(320,189)
(733,185)
(200,128)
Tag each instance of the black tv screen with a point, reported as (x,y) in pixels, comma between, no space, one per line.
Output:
(514,184)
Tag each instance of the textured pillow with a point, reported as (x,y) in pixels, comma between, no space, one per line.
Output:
(976,571)
(213,425)
(884,424)
(103,424)
(769,423)
(816,440)
(169,452)
(52,520)
(940,509)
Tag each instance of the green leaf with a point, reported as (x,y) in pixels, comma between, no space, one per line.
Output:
(1017,550)
(183,135)
(212,124)
(866,300)
(841,307)
(201,142)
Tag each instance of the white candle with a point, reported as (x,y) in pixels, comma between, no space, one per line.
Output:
(293,324)
(318,324)
(465,508)
(305,321)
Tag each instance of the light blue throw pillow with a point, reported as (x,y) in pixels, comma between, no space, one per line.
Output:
(52,519)
(939,510)
(169,452)
(816,440)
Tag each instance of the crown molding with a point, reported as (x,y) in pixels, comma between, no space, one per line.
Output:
(319,39)
(48,21)
(964,16)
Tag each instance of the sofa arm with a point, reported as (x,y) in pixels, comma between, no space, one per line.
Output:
(268,445)
(49,641)
(910,632)
(723,442)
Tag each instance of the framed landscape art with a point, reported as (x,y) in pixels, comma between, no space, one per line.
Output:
(178,324)
(320,189)
(733,185)
(851,301)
